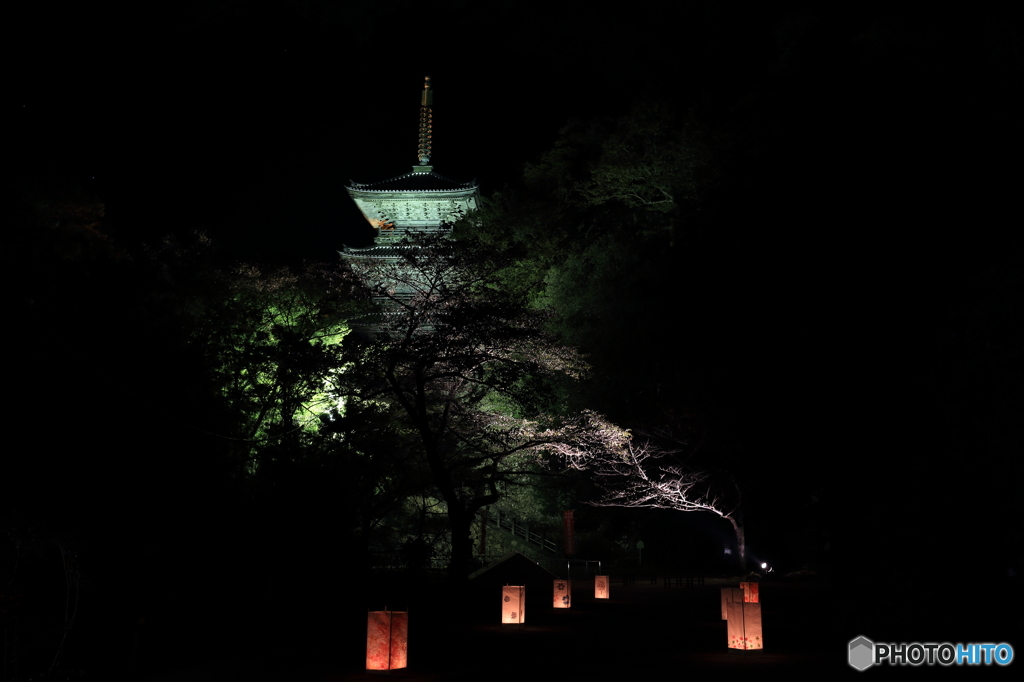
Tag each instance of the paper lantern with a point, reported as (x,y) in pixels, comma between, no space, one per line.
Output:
(513,604)
(744,626)
(601,587)
(750,592)
(563,594)
(730,594)
(387,640)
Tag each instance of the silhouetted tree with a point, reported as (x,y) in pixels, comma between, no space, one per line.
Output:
(467,365)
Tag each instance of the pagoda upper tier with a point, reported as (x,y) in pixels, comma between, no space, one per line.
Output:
(420,200)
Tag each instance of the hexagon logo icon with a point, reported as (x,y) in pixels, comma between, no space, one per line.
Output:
(862,653)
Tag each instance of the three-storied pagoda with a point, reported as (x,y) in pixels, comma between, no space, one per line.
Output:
(417,203)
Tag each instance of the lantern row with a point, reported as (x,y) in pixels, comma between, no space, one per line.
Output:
(387,632)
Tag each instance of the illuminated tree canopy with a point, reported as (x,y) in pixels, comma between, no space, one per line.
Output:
(272,343)
(643,475)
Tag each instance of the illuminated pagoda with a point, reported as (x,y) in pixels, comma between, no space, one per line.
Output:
(420,201)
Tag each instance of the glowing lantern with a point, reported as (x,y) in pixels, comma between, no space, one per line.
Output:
(749,592)
(601,587)
(744,626)
(387,640)
(513,604)
(563,594)
(729,595)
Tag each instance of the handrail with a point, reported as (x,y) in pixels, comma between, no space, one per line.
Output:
(506,522)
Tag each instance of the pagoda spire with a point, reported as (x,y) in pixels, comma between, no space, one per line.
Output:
(426,121)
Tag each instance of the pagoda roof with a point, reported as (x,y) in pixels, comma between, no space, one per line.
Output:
(376,251)
(415,181)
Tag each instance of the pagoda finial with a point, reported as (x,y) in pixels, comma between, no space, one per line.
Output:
(426,121)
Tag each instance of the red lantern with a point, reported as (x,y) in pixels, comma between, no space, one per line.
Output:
(750,592)
(387,640)
(601,590)
(563,594)
(744,626)
(513,604)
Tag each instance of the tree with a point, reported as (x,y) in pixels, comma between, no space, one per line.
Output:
(473,374)
(647,173)
(607,230)
(270,345)
(313,484)
(267,369)
(648,476)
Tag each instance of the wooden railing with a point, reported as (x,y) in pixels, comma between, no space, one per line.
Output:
(508,523)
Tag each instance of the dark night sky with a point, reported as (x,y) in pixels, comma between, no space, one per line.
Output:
(246,119)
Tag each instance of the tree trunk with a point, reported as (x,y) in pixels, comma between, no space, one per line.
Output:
(741,542)
(462,546)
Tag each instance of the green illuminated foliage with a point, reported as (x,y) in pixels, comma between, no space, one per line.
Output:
(280,358)
(272,346)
